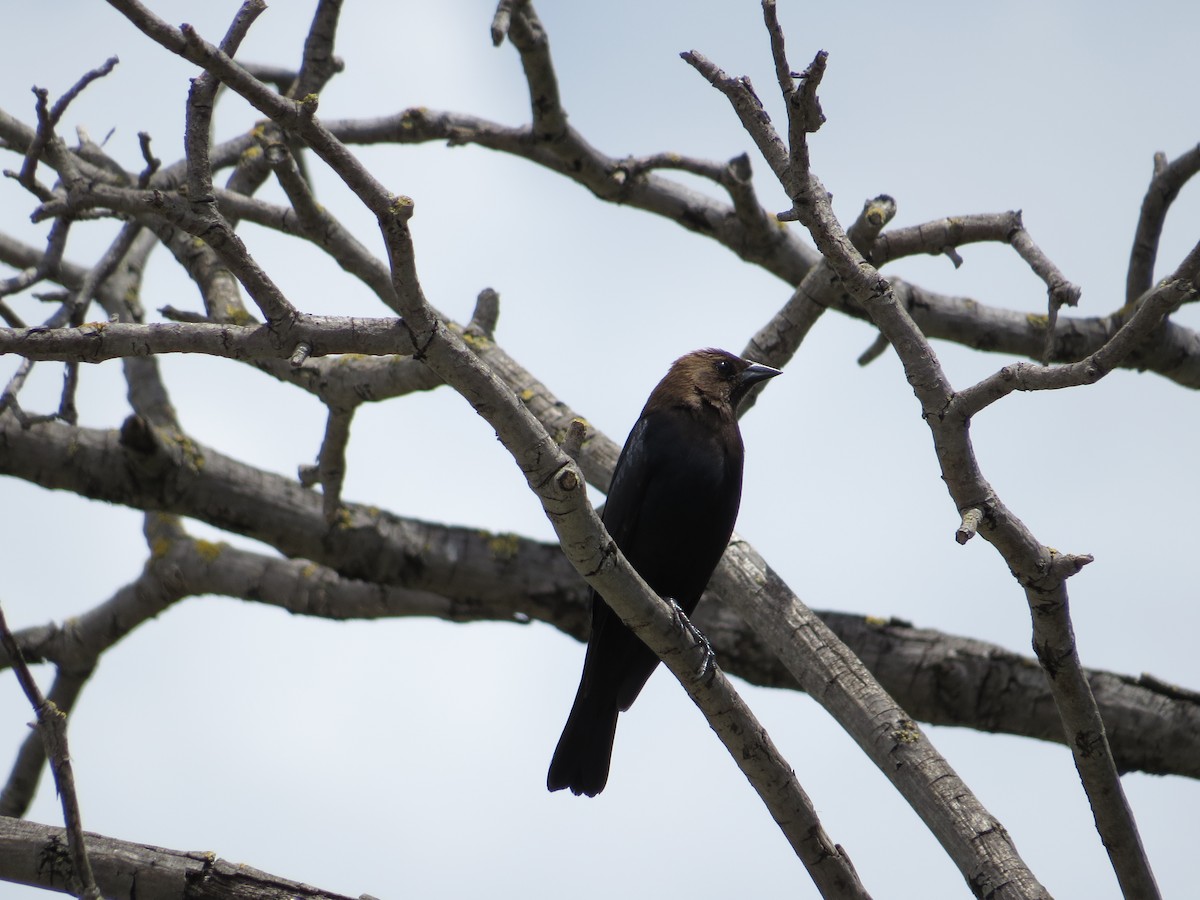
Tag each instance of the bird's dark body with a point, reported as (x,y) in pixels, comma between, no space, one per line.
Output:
(671,509)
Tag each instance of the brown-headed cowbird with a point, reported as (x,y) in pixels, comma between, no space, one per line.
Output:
(671,507)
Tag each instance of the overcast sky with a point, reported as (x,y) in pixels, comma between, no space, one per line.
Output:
(408,758)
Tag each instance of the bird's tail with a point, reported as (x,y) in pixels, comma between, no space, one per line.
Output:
(584,751)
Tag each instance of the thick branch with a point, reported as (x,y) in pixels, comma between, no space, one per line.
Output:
(97,341)
(937,678)
(33,854)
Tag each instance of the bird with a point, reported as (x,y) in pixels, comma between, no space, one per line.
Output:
(670,509)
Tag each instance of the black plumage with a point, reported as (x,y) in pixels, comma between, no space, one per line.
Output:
(671,507)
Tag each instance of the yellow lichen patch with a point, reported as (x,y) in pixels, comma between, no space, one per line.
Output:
(160,547)
(344,519)
(907,733)
(208,550)
(309,570)
(93,326)
(503,546)
(527,395)
(877,621)
(237,315)
(478,341)
(191,453)
(1037,320)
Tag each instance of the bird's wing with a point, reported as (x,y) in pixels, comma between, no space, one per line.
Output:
(630,477)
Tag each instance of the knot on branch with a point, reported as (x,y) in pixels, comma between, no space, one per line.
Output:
(137,435)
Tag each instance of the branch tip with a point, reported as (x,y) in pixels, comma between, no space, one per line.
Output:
(301,354)
(572,442)
(502,21)
(486,313)
(970,524)
(874,351)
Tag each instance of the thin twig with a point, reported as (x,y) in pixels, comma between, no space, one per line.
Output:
(1167,296)
(778,340)
(52,723)
(26,773)
(331,461)
(944,236)
(47,263)
(48,119)
(201,97)
(526,33)
(318,64)
(1167,181)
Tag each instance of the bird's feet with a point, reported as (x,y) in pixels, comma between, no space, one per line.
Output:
(709,661)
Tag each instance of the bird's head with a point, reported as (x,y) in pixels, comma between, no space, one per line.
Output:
(713,377)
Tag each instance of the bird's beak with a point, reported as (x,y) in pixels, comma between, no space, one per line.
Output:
(754,373)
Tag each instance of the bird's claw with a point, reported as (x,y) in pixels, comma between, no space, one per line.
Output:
(681,620)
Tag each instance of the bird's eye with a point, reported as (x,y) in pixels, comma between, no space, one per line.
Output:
(725,368)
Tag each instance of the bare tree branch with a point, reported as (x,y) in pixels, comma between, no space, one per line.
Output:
(548,471)
(777,341)
(1168,179)
(331,463)
(33,854)
(1174,354)
(319,64)
(97,341)
(937,678)
(155,465)
(1041,572)
(26,773)
(52,726)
